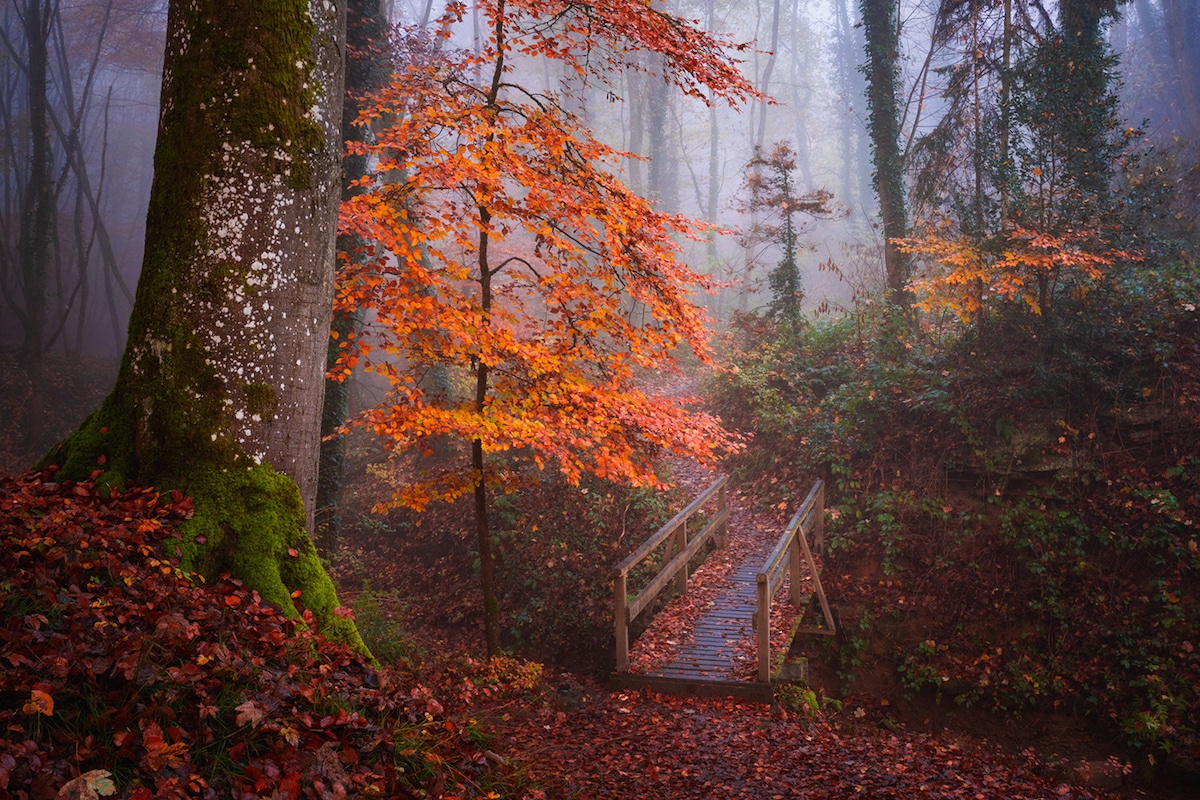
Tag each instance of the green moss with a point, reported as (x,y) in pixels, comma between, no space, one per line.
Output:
(252,522)
(246,75)
(103,442)
(260,399)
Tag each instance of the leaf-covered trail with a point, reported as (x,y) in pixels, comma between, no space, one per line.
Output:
(596,744)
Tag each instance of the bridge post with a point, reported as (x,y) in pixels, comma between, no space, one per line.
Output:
(621,617)
(722,504)
(681,545)
(794,561)
(819,521)
(764,628)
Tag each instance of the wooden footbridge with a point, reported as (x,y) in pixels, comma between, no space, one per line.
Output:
(709,660)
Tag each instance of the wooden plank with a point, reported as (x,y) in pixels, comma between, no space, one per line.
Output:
(658,538)
(667,573)
(764,630)
(818,631)
(795,555)
(757,692)
(817,588)
(621,616)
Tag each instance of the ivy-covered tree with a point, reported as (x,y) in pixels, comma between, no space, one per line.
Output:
(220,386)
(881,32)
(1065,122)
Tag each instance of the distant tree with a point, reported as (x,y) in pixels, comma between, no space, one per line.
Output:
(547,284)
(219,390)
(37,206)
(770,192)
(367,68)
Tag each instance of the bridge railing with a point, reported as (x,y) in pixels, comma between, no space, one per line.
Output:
(792,553)
(675,569)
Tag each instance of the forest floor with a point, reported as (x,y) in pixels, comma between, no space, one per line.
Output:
(573,737)
(866,737)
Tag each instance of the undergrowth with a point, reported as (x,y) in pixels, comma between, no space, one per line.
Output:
(123,675)
(1029,485)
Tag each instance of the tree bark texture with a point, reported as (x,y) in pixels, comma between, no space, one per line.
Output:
(220,389)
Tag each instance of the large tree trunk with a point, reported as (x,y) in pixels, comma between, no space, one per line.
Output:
(220,388)
(882,48)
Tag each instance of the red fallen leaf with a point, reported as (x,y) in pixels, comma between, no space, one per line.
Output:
(81,490)
(102,460)
(176,496)
(152,737)
(200,538)
(104,429)
(293,552)
(289,787)
(232,600)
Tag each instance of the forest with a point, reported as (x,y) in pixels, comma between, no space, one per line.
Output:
(553,399)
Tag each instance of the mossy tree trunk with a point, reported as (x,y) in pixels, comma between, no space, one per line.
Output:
(882,38)
(220,388)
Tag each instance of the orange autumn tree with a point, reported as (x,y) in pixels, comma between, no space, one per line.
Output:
(963,276)
(510,256)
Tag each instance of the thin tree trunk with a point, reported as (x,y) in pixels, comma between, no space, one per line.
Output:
(636,99)
(366,68)
(1006,112)
(765,83)
(487,561)
(37,218)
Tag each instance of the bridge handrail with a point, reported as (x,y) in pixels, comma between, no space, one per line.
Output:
(810,517)
(625,610)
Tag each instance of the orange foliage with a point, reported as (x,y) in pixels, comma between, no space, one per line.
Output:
(963,274)
(511,256)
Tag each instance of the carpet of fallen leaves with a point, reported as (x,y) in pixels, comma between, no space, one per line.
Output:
(595,744)
(121,675)
(751,533)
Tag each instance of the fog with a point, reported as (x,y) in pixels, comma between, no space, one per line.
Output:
(103,61)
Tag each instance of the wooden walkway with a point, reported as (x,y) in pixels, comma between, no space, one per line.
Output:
(712,653)
(721,650)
